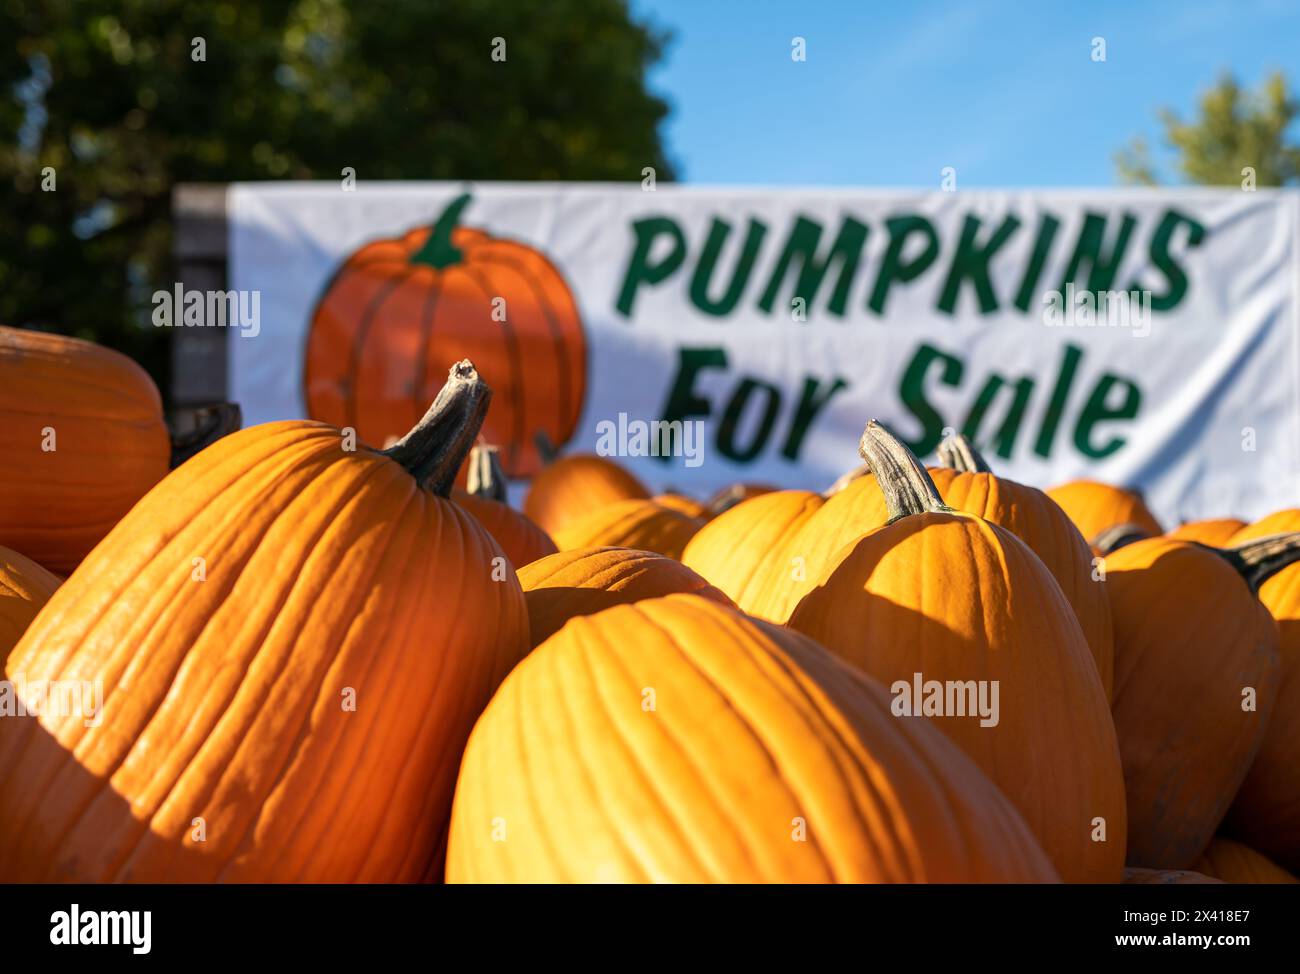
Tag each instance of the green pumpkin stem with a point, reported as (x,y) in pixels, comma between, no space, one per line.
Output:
(485,478)
(1260,559)
(960,454)
(906,485)
(438,250)
(434,451)
(1117,536)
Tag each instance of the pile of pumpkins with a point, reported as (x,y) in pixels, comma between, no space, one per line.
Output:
(314,661)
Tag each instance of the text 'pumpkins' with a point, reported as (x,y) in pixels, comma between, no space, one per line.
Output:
(293,641)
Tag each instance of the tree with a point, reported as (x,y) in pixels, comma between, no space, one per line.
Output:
(1236,130)
(109,103)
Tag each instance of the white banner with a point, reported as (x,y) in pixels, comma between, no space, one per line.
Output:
(1144,337)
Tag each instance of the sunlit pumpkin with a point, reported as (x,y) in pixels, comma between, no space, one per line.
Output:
(678,740)
(293,640)
(573,486)
(585,581)
(939,595)
(1216,532)
(24,588)
(521,539)
(1233,862)
(630,524)
(399,311)
(1094,507)
(83,437)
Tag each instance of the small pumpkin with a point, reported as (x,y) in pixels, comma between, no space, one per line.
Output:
(1216,532)
(83,436)
(293,640)
(521,539)
(24,588)
(942,598)
(585,581)
(684,505)
(1094,507)
(573,486)
(1196,675)
(1233,862)
(678,740)
(630,524)
(1137,876)
(399,310)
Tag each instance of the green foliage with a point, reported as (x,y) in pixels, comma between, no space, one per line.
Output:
(1236,130)
(108,94)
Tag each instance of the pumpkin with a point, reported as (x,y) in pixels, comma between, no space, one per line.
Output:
(1266,811)
(1196,674)
(24,588)
(1136,875)
(678,740)
(585,581)
(1094,507)
(684,505)
(630,524)
(743,550)
(1216,532)
(941,598)
(399,310)
(521,539)
(1279,522)
(573,486)
(83,436)
(293,641)
(728,497)
(1233,862)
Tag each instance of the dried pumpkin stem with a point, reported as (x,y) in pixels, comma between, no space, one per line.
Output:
(959,453)
(485,477)
(212,423)
(1260,559)
(1117,536)
(906,485)
(435,449)
(545,448)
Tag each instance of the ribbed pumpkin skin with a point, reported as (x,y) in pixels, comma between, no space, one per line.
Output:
(743,550)
(24,588)
(1137,876)
(1189,637)
(753,730)
(585,581)
(574,486)
(1216,532)
(325,570)
(521,539)
(1233,862)
(630,524)
(954,597)
(111,444)
(1266,811)
(1094,507)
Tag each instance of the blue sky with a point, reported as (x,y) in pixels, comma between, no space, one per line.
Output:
(891,93)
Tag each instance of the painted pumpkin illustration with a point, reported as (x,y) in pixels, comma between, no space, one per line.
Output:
(399,312)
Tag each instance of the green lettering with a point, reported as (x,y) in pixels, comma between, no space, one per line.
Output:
(682,402)
(893,267)
(912,393)
(639,269)
(727,429)
(718,234)
(1102,268)
(1096,411)
(1047,227)
(801,246)
(1056,405)
(811,402)
(1169,267)
(972,261)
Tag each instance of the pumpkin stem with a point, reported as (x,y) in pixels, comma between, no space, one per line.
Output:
(438,250)
(726,499)
(486,478)
(906,485)
(1117,536)
(959,453)
(436,448)
(545,448)
(212,422)
(1260,559)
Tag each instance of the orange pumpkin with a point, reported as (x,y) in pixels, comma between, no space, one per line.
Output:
(574,486)
(630,524)
(678,740)
(24,588)
(1279,522)
(399,311)
(1196,675)
(728,497)
(940,598)
(1233,862)
(1136,875)
(585,581)
(521,539)
(293,640)
(684,505)
(1215,532)
(1094,507)
(82,433)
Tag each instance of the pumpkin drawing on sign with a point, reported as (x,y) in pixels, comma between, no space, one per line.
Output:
(399,312)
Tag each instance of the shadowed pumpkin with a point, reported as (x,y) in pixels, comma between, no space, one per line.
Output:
(1233,862)
(521,539)
(24,588)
